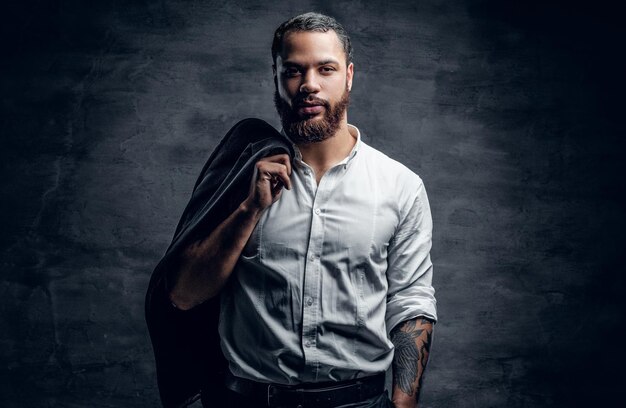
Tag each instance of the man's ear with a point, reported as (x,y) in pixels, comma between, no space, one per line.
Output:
(350,75)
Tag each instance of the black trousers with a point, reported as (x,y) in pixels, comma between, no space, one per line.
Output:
(232,399)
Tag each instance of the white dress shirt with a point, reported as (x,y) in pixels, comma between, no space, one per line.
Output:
(328,271)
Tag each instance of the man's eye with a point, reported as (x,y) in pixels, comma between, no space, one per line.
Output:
(328,69)
(291,72)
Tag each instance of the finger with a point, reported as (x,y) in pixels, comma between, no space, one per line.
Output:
(276,182)
(284,177)
(280,158)
(275,170)
(263,171)
(276,186)
(286,160)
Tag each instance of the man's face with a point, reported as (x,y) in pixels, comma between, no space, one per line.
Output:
(312,85)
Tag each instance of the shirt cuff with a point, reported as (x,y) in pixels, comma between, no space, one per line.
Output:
(411,303)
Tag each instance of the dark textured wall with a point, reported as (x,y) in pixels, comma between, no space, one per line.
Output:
(510,111)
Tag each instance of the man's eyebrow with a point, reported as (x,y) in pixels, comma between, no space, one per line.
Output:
(290,64)
(328,61)
(320,63)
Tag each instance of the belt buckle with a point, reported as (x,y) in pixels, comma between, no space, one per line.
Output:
(270,393)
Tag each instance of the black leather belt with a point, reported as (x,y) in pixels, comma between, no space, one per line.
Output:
(309,395)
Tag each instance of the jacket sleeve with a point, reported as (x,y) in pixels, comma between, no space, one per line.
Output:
(410,270)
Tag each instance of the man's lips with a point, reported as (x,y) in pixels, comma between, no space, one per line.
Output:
(310,109)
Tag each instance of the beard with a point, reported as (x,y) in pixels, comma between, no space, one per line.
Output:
(309,130)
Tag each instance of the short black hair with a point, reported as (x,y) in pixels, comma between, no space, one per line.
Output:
(311,22)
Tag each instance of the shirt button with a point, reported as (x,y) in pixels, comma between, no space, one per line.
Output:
(312,257)
(309,302)
(318,211)
(307,344)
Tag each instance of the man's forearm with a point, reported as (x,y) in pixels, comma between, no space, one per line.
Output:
(206,265)
(412,340)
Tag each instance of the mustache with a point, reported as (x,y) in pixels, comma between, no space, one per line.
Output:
(308,100)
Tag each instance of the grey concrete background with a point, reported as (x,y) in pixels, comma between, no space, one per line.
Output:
(512,113)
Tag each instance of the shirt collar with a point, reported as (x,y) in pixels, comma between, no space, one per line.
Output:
(354,132)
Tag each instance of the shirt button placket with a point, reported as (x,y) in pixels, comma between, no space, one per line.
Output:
(312,275)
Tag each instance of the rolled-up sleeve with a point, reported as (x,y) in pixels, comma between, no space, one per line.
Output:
(410,270)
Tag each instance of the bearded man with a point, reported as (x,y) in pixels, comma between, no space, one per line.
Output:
(324,270)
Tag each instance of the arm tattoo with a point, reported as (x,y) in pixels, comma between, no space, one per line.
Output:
(412,342)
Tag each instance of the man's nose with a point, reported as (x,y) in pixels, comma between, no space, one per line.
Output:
(310,83)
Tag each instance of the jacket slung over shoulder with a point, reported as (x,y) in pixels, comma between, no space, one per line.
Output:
(186,344)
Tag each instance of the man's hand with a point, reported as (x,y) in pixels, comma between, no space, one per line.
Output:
(412,340)
(270,175)
(206,264)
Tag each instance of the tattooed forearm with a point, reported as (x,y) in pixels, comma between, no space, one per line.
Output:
(407,356)
(412,341)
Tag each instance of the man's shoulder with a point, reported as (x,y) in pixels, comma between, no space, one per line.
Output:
(395,170)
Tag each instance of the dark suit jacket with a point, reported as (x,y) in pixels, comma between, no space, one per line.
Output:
(186,343)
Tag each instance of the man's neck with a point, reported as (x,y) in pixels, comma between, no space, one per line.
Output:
(323,155)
